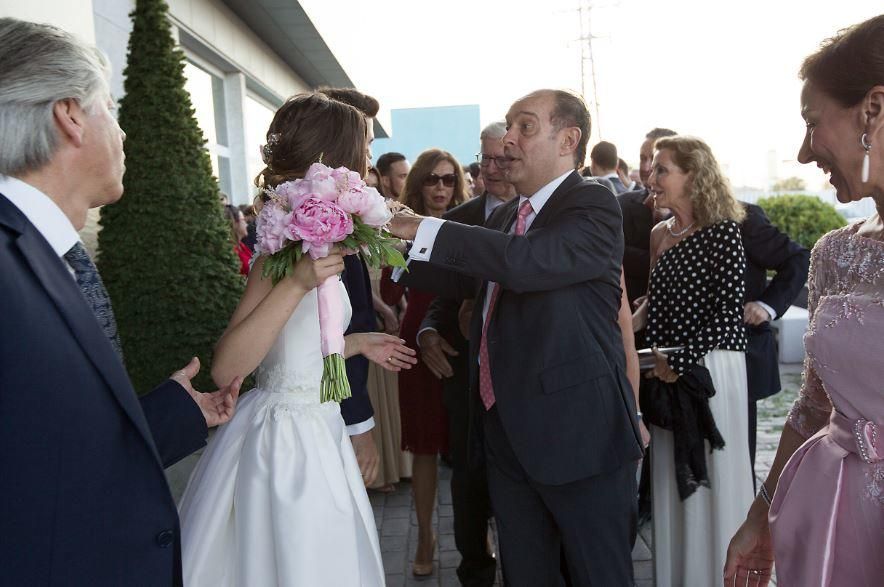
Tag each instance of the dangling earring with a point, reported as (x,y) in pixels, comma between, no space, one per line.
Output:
(864,140)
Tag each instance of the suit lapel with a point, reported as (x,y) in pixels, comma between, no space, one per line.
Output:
(62,289)
(549,209)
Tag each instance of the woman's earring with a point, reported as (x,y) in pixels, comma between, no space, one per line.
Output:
(867,147)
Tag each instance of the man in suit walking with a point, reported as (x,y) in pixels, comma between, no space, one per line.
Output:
(83,495)
(469,484)
(547,367)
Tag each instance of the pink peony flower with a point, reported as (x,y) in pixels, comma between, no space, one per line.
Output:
(271,228)
(320,181)
(367,203)
(295,192)
(318,223)
(346,180)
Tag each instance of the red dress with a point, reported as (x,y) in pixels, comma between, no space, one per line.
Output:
(245,257)
(423,415)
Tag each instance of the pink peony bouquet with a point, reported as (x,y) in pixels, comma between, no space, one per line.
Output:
(327,207)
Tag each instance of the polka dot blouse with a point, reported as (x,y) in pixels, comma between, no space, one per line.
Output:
(696,293)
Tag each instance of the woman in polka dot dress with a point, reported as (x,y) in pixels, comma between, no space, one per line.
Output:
(695,301)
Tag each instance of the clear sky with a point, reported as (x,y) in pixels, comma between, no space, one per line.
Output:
(724,70)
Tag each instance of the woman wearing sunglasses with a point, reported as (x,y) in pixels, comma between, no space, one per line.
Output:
(434,185)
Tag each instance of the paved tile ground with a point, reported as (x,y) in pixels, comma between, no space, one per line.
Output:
(397,525)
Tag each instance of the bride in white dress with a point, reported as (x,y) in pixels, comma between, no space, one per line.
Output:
(277,498)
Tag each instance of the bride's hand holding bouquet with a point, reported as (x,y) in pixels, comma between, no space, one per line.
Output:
(327,208)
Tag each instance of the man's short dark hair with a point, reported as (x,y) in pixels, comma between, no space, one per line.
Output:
(473,169)
(385,162)
(362,102)
(623,166)
(569,109)
(659,133)
(604,155)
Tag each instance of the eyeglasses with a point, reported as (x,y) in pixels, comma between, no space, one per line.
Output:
(485,160)
(448,180)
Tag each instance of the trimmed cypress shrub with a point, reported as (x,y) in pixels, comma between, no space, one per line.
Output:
(166,253)
(804,218)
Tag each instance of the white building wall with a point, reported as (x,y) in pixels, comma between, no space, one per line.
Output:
(74,16)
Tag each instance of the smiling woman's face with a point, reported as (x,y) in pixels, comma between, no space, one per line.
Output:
(832,141)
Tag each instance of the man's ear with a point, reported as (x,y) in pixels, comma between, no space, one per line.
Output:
(570,141)
(70,120)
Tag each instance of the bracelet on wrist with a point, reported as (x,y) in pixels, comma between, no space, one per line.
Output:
(764,494)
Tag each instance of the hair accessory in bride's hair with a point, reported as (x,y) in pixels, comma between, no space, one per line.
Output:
(267,150)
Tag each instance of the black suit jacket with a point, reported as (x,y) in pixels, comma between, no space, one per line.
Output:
(83,495)
(442,315)
(357,408)
(767,248)
(554,344)
(638,220)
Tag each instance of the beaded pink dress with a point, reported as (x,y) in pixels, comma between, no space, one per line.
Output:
(827,516)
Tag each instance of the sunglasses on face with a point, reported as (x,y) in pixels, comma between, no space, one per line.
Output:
(448,180)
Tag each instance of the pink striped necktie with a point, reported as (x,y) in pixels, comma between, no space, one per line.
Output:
(486,389)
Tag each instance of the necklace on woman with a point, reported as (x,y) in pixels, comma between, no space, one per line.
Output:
(681,232)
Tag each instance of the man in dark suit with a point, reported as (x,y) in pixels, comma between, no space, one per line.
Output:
(83,495)
(469,484)
(638,220)
(547,367)
(357,410)
(603,165)
(767,249)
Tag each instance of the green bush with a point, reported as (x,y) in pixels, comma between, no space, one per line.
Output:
(804,218)
(165,249)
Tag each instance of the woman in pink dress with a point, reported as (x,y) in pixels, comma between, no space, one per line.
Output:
(825,523)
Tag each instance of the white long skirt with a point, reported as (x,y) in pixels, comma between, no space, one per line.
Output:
(277,500)
(691,536)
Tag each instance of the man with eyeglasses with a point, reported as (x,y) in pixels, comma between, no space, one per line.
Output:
(442,323)
(549,394)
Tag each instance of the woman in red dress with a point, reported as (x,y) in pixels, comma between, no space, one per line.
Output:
(238,231)
(434,185)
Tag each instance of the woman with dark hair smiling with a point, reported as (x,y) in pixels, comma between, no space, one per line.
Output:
(819,515)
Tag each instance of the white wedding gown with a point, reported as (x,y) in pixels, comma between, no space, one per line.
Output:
(277,498)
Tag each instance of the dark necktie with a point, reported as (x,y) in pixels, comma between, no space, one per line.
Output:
(93,290)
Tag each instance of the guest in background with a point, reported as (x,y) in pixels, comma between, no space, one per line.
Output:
(623,174)
(587,172)
(445,350)
(825,524)
(248,211)
(695,301)
(238,231)
(478,180)
(393,168)
(434,185)
(603,163)
(373,178)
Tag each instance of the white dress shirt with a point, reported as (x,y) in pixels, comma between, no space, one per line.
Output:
(43,213)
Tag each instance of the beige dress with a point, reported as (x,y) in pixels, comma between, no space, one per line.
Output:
(383,391)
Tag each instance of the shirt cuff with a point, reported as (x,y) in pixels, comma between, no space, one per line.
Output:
(770,311)
(421,331)
(422,249)
(360,427)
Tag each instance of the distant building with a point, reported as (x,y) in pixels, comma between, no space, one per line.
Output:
(244,59)
(452,128)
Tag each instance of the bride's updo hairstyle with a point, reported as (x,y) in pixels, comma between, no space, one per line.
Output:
(310,127)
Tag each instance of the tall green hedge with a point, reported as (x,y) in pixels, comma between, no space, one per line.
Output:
(804,218)
(165,249)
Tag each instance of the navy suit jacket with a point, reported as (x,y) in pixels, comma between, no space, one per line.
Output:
(83,495)
(357,408)
(767,248)
(554,343)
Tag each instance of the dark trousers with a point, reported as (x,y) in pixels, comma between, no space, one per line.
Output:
(753,431)
(469,493)
(593,521)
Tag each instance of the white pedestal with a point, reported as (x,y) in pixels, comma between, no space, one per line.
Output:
(791,328)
